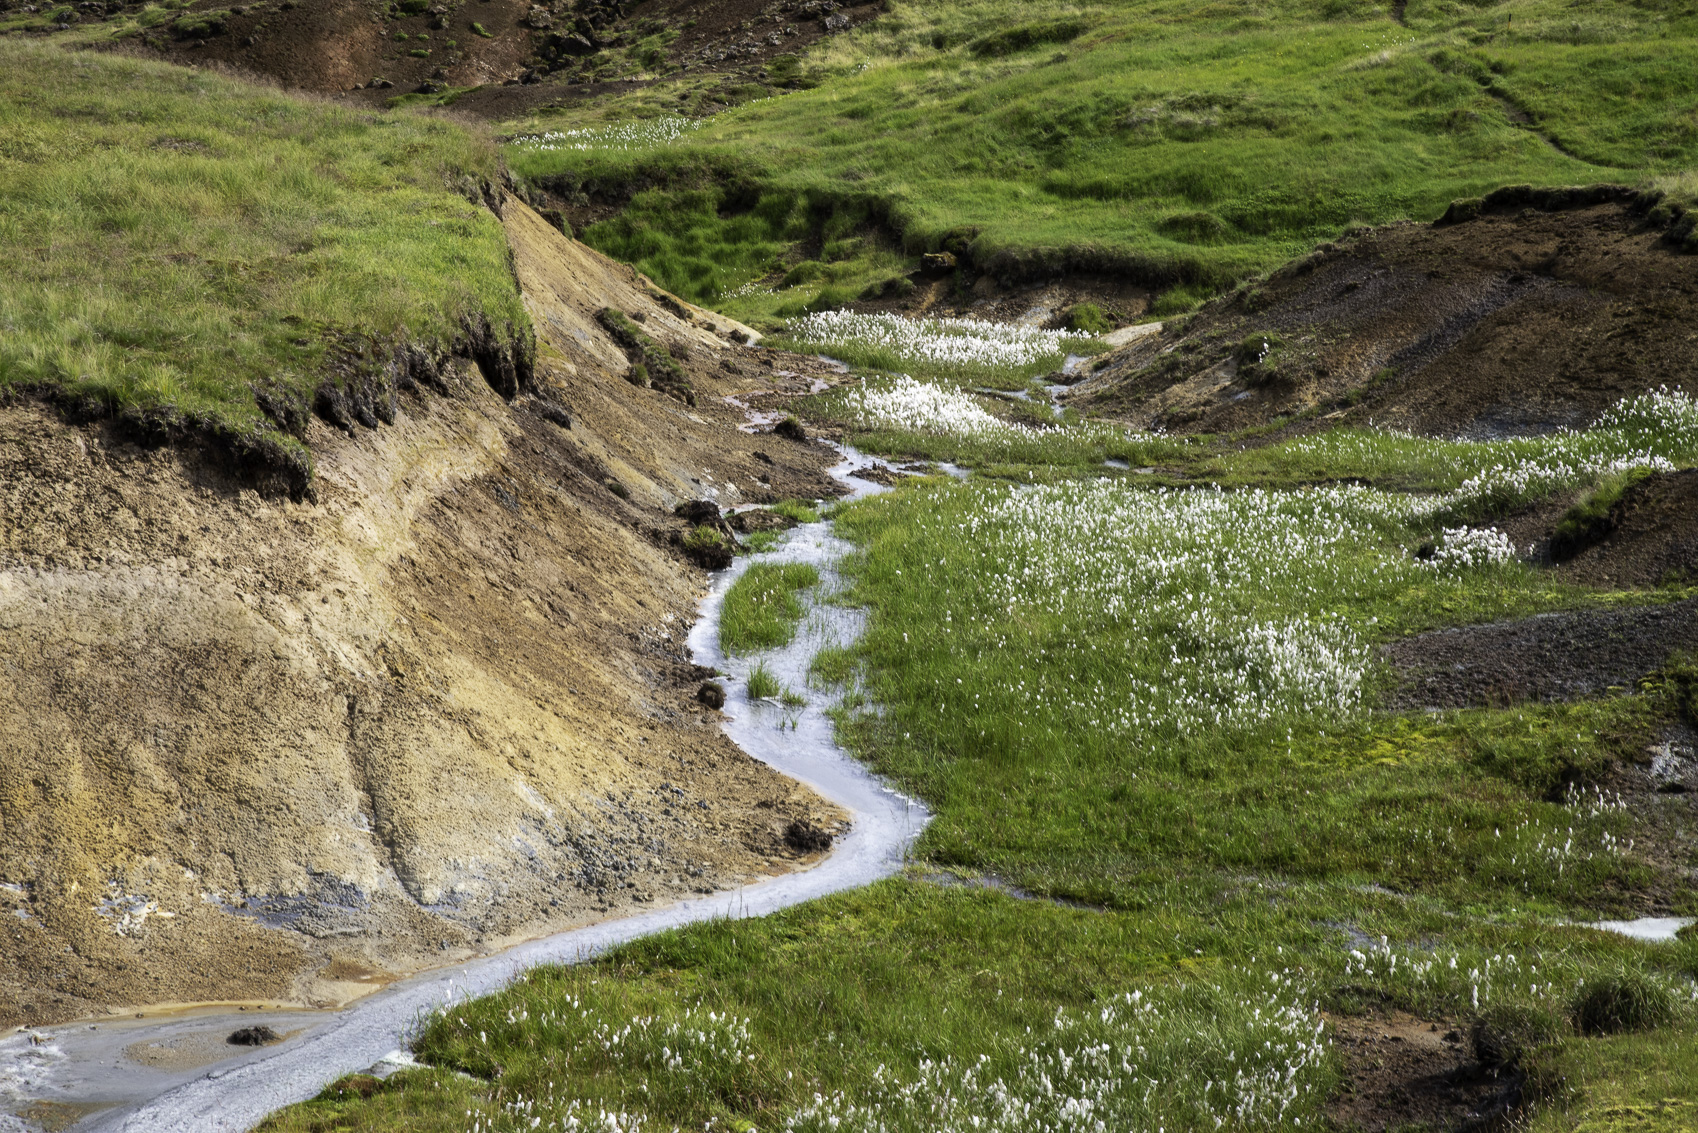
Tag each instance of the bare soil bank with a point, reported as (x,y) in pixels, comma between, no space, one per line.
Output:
(518,54)
(261,750)
(1551,657)
(1513,323)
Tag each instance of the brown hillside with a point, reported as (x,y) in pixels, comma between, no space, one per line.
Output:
(1520,321)
(258,749)
(516,54)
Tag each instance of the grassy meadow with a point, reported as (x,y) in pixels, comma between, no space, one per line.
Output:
(185,246)
(1188,144)
(1177,845)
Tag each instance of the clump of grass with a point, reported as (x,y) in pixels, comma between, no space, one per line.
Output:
(1622,1002)
(762,609)
(1258,359)
(1088,318)
(1592,519)
(790,698)
(756,542)
(833,664)
(651,363)
(1504,1035)
(797,511)
(762,684)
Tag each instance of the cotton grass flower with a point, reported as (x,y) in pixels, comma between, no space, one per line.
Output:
(649,133)
(965,343)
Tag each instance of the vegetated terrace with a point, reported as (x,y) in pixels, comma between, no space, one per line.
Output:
(205,256)
(1185,145)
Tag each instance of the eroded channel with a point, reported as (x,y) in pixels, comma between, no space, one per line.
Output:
(179,1072)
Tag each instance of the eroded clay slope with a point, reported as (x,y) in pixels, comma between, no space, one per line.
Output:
(261,750)
(1519,321)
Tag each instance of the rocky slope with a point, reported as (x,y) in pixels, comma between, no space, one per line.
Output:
(265,750)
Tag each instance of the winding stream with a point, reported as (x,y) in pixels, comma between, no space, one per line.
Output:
(172,1084)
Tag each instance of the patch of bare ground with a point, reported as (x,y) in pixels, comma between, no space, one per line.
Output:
(1406,1073)
(260,749)
(1549,657)
(1517,322)
(517,56)
(1649,538)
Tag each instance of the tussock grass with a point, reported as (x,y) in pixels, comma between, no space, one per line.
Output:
(179,243)
(797,511)
(762,684)
(762,609)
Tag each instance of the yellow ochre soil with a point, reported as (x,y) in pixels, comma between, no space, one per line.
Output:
(260,750)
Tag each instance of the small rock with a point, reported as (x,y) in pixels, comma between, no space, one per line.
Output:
(1671,763)
(804,837)
(698,512)
(253,1036)
(836,22)
(938,263)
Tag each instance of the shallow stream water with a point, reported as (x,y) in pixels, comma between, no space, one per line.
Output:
(177,1073)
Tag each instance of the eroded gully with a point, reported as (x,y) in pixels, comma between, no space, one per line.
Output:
(102,1068)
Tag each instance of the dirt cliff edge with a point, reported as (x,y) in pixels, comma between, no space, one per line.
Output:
(264,750)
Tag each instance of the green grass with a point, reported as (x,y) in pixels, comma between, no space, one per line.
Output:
(1189,145)
(1048,729)
(833,665)
(1067,671)
(762,684)
(796,511)
(762,609)
(187,248)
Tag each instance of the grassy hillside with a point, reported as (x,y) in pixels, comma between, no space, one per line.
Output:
(181,246)
(1188,144)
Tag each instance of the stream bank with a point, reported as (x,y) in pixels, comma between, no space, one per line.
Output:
(104,1067)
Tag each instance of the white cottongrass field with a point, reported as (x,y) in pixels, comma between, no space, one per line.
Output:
(910,406)
(1185,1058)
(1249,1052)
(904,415)
(1132,614)
(896,342)
(643,134)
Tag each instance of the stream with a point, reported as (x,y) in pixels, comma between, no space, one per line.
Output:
(177,1073)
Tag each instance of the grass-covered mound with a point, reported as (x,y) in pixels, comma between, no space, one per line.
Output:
(1187,144)
(206,257)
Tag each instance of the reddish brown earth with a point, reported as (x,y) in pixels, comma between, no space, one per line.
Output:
(1402,1072)
(1514,323)
(519,55)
